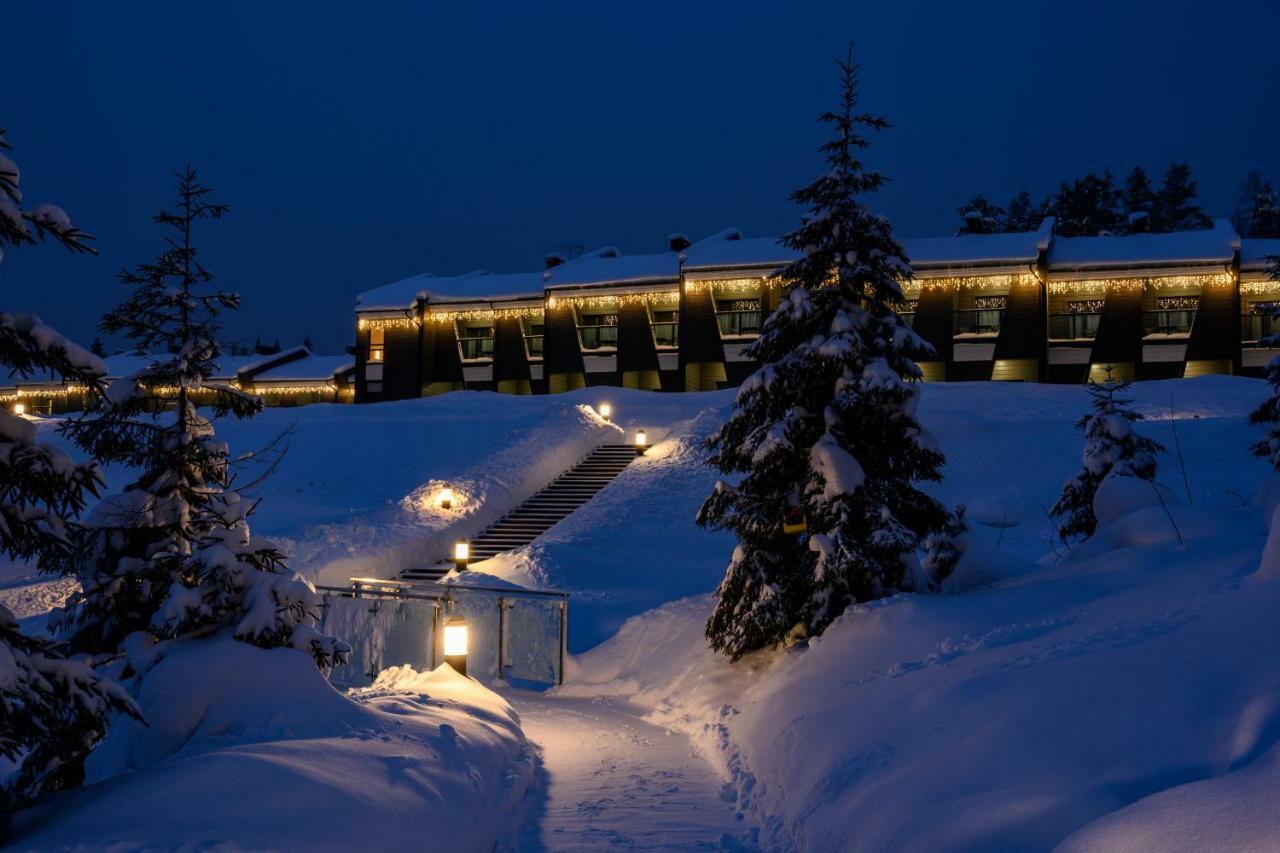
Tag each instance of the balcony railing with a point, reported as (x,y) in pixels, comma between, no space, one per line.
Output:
(1073,327)
(980,321)
(598,337)
(1167,322)
(476,348)
(735,324)
(666,334)
(533,345)
(1255,327)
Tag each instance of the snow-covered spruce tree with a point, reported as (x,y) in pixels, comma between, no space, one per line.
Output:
(172,555)
(826,427)
(1268,413)
(1087,207)
(1112,447)
(52,710)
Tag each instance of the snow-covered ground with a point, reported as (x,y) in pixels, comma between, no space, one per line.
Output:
(1119,695)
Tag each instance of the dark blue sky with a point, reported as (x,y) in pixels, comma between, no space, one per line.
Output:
(361,143)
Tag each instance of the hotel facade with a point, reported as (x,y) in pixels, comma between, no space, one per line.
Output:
(1029,307)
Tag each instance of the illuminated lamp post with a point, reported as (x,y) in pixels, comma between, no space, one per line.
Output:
(605,410)
(455,645)
(461,554)
(641,442)
(446,498)
(19,409)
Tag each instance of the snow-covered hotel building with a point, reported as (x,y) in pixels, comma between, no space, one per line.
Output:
(1023,307)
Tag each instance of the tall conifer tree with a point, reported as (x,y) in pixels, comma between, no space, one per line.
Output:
(1138,201)
(172,555)
(826,429)
(1175,202)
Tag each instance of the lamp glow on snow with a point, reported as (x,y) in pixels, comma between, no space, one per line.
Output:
(446,498)
(455,645)
(461,554)
(641,441)
(605,410)
(19,408)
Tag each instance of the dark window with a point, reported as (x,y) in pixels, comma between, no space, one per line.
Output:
(738,317)
(666,328)
(598,331)
(476,341)
(1079,321)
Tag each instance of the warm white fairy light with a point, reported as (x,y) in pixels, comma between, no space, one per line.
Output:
(1269,288)
(614,300)
(1167,282)
(730,285)
(1004,281)
(387,322)
(487,315)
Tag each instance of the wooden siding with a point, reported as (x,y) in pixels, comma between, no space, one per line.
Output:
(1119,339)
(562,351)
(1022,332)
(510,363)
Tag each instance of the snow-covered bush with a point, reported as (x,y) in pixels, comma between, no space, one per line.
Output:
(172,555)
(1112,448)
(826,429)
(53,712)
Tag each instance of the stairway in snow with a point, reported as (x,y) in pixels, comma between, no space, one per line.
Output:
(541,512)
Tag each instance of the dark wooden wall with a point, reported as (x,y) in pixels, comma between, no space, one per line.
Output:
(933,320)
(510,363)
(1119,338)
(1022,333)
(401,371)
(1216,331)
(636,350)
(561,349)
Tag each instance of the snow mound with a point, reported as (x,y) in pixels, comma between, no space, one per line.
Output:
(267,755)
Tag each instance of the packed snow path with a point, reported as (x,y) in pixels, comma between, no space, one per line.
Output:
(611,780)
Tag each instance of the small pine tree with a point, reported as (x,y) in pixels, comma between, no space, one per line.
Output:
(1138,201)
(1023,214)
(1269,412)
(1175,207)
(53,711)
(1111,448)
(171,555)
(979,216)
(1087,207)
(826,428)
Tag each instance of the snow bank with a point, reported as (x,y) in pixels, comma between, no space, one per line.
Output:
(251,748)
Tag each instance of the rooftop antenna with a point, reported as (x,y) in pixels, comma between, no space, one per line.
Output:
(569,250)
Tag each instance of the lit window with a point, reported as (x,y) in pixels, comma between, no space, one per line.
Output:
(377,344)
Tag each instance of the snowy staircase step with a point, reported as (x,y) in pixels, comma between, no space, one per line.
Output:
(561,497)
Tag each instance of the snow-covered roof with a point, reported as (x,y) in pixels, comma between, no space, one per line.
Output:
(1254,253)
(1179,247)
(485,285)
(729,249)
(1019,247)
(127,364)
(610,266)
(312,367)
(398,295)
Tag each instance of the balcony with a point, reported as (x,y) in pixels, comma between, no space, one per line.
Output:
(1167,323)
(533,346)
(666,334)
(978,322)
(1075,326)
(1256,327)
(736,324)
(474,349)
(598,337)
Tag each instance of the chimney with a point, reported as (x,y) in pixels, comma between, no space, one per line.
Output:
(553,259)
(678,242)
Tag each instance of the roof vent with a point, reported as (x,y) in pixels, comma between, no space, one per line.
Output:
(554,259)
(678,242)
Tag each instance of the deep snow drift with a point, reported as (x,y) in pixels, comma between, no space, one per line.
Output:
(1121,693)
(251,748)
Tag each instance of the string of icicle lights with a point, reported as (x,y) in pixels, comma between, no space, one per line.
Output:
(1167,282)
(612,301)
(487,315)
(387,322)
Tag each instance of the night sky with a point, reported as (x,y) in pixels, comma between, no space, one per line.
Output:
(362,143)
